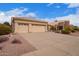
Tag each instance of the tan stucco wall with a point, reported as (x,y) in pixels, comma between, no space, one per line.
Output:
(29,22)
(31,27)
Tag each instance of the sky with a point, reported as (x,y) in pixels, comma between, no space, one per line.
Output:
(41,11)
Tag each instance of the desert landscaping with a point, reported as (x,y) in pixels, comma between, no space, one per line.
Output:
(39,44)
(14,45)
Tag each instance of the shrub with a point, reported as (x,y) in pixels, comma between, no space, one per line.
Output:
(73,31)
(7,23)
(15,41)
(66,30)
(3,39)
(76,28)
(4,29)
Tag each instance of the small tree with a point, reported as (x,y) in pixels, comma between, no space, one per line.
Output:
(7,23)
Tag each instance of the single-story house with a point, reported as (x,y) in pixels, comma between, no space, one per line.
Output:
(24,25)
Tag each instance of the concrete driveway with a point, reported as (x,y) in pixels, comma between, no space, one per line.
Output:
(52,44)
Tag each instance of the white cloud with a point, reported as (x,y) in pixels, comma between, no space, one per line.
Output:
(6,16)
(70,5)
(1,14)
(49,4)
(57,6)
(73,5)
(31,14)
(16,12)
(74,19)
(48,19)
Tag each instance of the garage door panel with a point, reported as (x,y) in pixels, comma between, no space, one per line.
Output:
(22,28)
(38,28)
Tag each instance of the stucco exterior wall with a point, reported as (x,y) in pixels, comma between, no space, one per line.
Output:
(29,26)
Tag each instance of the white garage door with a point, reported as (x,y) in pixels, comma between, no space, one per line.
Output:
(22,28)
(38,28)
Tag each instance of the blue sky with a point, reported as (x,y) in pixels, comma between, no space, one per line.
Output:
(44,11)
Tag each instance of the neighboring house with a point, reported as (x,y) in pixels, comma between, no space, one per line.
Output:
(24,25)
(59,25)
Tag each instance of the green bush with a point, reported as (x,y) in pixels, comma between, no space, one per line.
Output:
(66,30)
(4,29)
(73,31)
(76,28)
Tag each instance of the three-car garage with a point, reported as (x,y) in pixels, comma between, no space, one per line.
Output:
(24,25)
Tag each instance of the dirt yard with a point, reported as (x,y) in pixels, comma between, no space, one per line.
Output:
(75,34)
(40,44)
(14,46)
